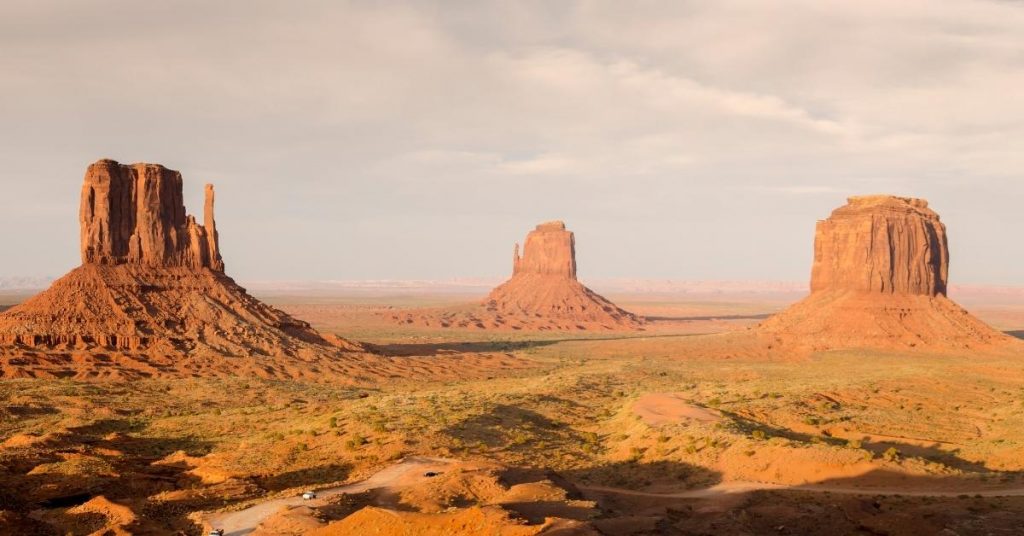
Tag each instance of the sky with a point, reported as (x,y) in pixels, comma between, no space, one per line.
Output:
(420,140)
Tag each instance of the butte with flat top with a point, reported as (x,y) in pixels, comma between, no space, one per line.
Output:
(879,280)
(543,294)
(151,297)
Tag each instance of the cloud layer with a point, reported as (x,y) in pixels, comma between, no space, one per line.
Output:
(693,140)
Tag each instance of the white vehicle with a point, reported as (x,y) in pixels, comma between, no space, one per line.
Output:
(309,495)
(217,532)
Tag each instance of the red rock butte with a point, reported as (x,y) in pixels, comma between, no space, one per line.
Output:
(879,279)
(136,215)
(543,294)
(151,297)
(881,244)
(550,250)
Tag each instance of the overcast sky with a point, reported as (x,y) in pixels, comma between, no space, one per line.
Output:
(359,140)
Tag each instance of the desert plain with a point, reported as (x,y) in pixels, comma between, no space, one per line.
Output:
(616,431)
(146,392)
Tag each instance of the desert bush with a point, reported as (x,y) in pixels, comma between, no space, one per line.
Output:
(355,442)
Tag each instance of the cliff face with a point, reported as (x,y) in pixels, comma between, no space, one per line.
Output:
(543,292)
(152,291)
(136,215)
(549,250)
(879,280)
(881,244)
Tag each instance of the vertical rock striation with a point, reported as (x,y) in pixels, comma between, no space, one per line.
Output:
(549,250)
(152,291)
(879,279)
(136,215)
(882,244)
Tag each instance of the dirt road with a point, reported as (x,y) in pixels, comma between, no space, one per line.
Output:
(411,471)
(407,472)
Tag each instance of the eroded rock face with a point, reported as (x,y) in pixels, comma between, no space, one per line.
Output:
(549,250)
(136,215)
(879,281)
(542,294)
(882,244)
(152,292)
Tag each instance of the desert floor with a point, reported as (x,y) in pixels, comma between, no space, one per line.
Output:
(634,426)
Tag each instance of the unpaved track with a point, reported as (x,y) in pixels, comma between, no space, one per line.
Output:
(728,488)
(410,470)
(245,521)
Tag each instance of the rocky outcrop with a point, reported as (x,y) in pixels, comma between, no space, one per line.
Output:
(549,250)
(151,292)
(879,281)
(136,215)
(882,244)
(543,294)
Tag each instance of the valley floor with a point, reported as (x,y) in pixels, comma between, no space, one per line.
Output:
(612,432)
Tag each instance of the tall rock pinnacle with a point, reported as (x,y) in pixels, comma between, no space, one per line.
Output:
(883,244)
(136,215)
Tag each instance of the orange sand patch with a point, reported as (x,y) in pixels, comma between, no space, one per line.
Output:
(657,409)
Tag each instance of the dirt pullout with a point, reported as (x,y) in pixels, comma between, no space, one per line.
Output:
(542,295)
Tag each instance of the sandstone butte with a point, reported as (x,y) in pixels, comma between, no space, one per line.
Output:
(879,279)
(542,294)
(151,297)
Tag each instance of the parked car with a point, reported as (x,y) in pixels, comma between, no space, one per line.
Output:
(309,495)
(430,474)
(217,532)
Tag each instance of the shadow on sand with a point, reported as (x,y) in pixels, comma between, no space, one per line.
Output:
(758,316)
(313,476)
(877,503)
(933,453)
(112,458)
(474,347)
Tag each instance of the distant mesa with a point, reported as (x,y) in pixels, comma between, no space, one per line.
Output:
(879,280)
(151,297)
(550,250)
(542,294)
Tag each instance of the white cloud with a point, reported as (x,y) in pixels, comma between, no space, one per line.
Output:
(411,119)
